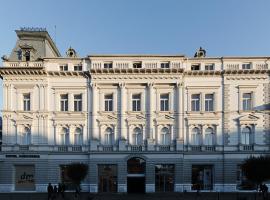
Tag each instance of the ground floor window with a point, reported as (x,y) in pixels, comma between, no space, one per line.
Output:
(25,178)
(65,179)
(107,178)
(164,174)
(202,177)
(242,182)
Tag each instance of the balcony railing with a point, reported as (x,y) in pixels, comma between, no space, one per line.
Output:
(247,148)
(63,148)
(23,64)
(76,149)
(24,148)
(164,148)
(196,148)
(108,148)
(209,148)
(136,148)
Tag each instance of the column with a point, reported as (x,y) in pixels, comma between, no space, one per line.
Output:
(179,135)
(95,133)
(151,106)
(5,96)
(122,110)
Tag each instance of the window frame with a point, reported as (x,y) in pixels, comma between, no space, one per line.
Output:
(64,103)
(26,102)
(108,103)
(208,107)
(196,102)
(77,103)
(164,102)
(136,103)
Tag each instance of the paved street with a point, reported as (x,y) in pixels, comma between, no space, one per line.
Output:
(156,196)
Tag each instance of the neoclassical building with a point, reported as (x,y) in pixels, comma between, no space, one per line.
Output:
(142,123)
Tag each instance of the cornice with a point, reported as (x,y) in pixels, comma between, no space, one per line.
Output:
(136,71)
(6,71)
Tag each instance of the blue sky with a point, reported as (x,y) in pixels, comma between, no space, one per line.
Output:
(223,28)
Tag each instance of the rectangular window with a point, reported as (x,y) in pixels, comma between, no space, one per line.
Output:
(247,101)
(63,68)
(77,68)
(108,65)
(164,181)
(209,102)
(136,102)
(109,102)
(107,178)
(209,67)
(78,102)
(64,102)
(137,65)
(195,102)
(164,102)
(246,66)
(242,182)
(195,67)
(26,102)
(202,177)
(165,65)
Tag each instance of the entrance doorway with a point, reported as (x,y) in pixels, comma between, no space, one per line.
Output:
(136,175)
(136,184)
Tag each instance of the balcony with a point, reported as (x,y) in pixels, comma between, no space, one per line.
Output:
(195,148)
(76,148)
(164,148)
(22,64)
(209,148)
(136,148)
(246,147)
(107,148)
(63,148)
(23,148)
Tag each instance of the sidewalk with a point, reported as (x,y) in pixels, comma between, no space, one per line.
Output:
(153,196)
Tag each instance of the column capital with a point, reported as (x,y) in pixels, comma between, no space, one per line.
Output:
(122,85)
(150,84)
(93,85)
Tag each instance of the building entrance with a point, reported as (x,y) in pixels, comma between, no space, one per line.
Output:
(136,175)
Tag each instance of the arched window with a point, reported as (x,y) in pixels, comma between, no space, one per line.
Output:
(27,55)
(78,136)
(196,136)
(108,140)
(26,136)
(137,136)
(165,136)
(246,136)
(64,137)
(209,136)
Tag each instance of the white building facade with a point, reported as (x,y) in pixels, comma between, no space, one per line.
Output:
(142,123)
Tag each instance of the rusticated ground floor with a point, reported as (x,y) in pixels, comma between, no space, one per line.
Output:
(125,172)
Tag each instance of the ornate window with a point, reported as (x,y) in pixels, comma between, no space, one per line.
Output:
(108,65)
(64,102)
(26,102)
(195,136)
(108,136)
(136,102)
(209,102)
(137,136)
(165,65)
(209,137)
(26,136)
(64,137)
(78,136)
(246,136)
(109,102)
(246,66)
(164,102)
(78,102)
(247,98)
(165,136)
(27,55)
(195,102)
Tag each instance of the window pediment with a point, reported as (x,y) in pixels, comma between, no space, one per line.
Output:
(248,119)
